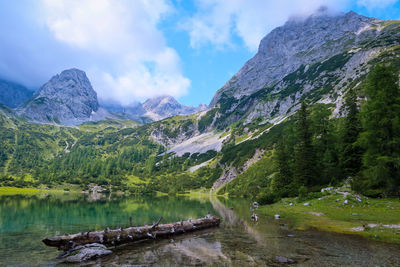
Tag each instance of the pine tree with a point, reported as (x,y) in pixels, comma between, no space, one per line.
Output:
(351,152)
(283,179)
(381,136)
(324,144)
(305,172)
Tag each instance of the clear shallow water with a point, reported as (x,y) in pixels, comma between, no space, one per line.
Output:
(24,221)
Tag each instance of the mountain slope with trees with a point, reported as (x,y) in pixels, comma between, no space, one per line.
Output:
(327,120)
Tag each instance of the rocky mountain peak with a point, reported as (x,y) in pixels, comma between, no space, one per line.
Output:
(72,85)
(164,106)
(154,109)
(300,41)
(68,98)
(161,102)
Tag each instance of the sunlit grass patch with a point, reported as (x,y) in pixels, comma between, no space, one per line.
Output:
(330,213)
(26,191)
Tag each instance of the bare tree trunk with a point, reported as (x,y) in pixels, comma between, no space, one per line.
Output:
(121,236)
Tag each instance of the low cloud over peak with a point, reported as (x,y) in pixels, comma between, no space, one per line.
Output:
(117,43)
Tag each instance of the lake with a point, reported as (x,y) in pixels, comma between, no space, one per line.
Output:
(26,220)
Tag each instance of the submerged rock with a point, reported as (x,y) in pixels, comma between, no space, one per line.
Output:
(281,259)
(86,252)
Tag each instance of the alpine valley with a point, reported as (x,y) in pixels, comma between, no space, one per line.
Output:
(61,136)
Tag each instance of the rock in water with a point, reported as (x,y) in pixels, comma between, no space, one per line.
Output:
(86,252)
(254,217)
(68,99)
(281,259)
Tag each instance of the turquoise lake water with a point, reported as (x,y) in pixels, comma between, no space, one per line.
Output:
(26,220)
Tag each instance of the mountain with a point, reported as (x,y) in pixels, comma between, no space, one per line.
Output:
(161,107)
(315,59)
(155,109)
(13,94)
(68,99)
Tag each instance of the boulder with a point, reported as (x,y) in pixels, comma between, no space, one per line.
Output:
(281,259)
(85,253)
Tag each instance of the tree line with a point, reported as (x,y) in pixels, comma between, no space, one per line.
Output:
(363,147)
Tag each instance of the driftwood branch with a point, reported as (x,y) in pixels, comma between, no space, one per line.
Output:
(157,223)
(121,236)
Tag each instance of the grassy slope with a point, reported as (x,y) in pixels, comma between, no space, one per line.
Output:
(331,214)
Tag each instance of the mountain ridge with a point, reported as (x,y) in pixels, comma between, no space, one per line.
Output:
(323,72)
(67,98)
(13,94)
(155,109)
(298,42)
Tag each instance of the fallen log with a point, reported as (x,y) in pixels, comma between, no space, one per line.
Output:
(126,235)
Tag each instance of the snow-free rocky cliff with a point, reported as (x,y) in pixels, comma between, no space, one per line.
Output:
(68,99)
(316,58)
(300,41)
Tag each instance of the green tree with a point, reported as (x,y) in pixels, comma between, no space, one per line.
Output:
(283,179)
(305,171)
(381,136)
(325,144)
(351,152)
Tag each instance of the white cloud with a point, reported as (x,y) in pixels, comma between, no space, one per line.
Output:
(148,84)
(135,61)
(217,22)
(372,4)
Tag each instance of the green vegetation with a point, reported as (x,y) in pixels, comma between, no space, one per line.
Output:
(381,135)
(351,152)
(206,120)
(116,154)
(26,191)
(305,171)
(254,181)
(373,218)
(311,150)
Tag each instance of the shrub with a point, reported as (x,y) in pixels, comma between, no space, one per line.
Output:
(267,198)
(302,192)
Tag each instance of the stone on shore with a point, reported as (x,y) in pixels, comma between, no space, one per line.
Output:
(86,252)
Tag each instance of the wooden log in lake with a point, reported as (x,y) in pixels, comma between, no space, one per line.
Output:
(126,235)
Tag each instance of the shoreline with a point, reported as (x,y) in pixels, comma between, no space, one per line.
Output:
(376,219)
(9,190)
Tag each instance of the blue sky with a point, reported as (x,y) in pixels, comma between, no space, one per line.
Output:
(132,50)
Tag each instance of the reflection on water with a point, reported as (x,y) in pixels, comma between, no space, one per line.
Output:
(24,221)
